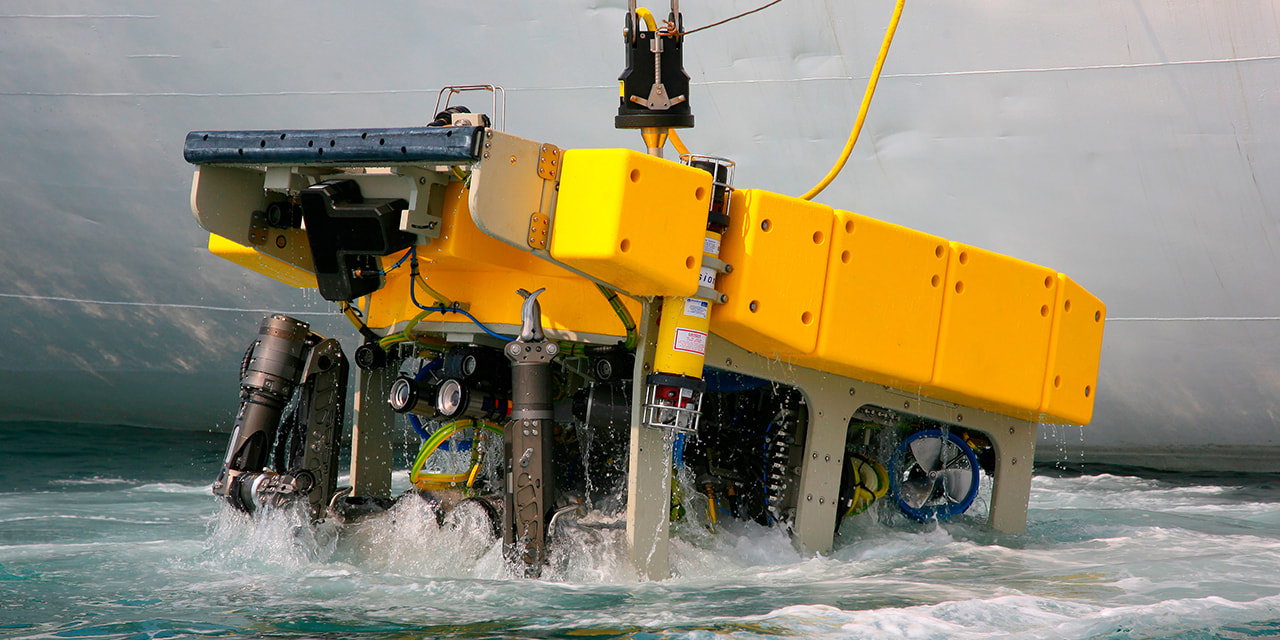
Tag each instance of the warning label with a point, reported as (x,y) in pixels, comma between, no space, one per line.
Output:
(690,341)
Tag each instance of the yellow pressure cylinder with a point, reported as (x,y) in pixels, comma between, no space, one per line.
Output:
(683,326)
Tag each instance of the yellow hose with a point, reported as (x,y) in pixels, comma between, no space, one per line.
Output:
(407,335)
(862,111)
(633,336)
(647,16)
(422,282)
(677,142)
(351,314)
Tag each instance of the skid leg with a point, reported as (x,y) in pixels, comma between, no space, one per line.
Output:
(648,468)
(371,436)
(819,491)
(1015,451)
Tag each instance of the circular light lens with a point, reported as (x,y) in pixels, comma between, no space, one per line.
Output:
(449,402)
(401,395)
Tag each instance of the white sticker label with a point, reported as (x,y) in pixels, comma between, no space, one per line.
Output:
(690,341)
(711,246)
(695,307)
(707,278)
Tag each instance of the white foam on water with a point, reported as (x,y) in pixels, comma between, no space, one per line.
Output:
(1105,556)
(173,487)
(1024,617)
(88,482)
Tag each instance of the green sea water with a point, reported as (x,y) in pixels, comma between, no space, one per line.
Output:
(110,532)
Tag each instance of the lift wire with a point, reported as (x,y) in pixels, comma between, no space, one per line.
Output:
(716,24)
(862,111)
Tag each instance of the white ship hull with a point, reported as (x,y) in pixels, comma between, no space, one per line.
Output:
(1131,145)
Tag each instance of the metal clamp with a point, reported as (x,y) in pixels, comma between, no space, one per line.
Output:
(711,295)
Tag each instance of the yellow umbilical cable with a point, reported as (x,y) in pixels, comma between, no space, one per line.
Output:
(862,111)
(711,507)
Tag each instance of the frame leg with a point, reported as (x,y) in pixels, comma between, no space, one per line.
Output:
(648,468)
(371,437)
(1015,452)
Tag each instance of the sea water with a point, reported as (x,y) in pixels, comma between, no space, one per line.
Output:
(111,532)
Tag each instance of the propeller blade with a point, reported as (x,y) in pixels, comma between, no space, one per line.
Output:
(867,476)
(957,483)
(917,491)
(928,453)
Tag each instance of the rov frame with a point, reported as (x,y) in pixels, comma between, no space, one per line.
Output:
(531,214)
(877,326)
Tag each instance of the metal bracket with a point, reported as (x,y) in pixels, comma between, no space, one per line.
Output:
(538,225)
(719,265)
(549,162)
(258,228)
(423,218)
(712,295)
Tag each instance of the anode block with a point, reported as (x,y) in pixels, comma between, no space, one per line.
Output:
(779,247)
(1075,350)
(883,301)
(993,344)
(632,220)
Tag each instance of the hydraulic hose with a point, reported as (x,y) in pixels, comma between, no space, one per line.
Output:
(433,443)
(633,336)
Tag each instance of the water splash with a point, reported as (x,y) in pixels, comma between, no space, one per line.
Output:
(1112,553)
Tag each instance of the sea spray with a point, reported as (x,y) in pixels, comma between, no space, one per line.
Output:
(145,551)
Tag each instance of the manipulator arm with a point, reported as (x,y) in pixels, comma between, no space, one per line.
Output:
(286,355)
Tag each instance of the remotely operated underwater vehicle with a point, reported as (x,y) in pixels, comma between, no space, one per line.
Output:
(558,323)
